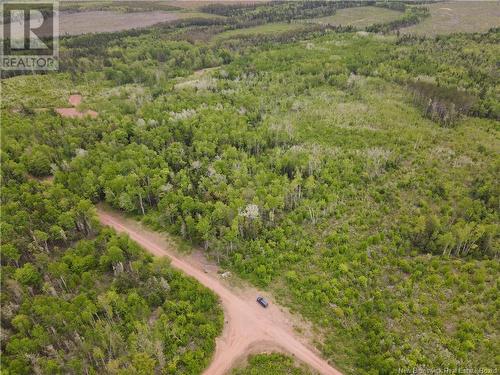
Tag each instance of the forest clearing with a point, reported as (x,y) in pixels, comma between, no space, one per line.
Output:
(75,100)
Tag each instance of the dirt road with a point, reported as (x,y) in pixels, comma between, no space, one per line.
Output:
(249,328)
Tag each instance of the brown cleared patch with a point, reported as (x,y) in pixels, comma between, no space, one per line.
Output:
(74,113)
(75,100)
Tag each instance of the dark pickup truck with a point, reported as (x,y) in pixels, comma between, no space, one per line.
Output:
(262,301)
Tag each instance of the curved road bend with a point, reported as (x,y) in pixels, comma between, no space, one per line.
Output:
(249,327)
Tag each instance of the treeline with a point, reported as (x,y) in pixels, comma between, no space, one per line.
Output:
(120,6)
(179,51)
(448,76)
(402,5)
(412,15)
(393,5)
(139,59)
(441,104)
(278,11)
(243,42)
(82,53)
(461,237)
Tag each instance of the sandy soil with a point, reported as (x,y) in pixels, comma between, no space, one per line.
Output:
(249,328)
(75,100)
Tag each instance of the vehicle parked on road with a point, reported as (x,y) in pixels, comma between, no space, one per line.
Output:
(262,301)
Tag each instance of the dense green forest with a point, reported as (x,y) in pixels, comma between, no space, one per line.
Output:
(354,175)
(80,299)
(77,298)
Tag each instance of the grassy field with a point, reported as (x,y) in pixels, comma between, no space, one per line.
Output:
(121,6)
(86,21)
(359,17)
(42,91)
(109,21)
(270,28)
(458,16)
(195,4)
(271,364)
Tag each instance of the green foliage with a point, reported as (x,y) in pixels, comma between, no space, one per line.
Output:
(77,298)
(119,6)
(359,17)
(28,275)
(127,312)
(441,104)
(412,15)
(271,364)
(461,64)
(37,160)
(302,166)
(394,5)
(276,11)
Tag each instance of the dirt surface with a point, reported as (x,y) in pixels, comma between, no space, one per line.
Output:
(99,21)
(248,328)
(75,100)
(74,113)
